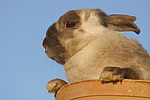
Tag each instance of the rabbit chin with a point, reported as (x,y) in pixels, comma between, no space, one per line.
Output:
(58,59)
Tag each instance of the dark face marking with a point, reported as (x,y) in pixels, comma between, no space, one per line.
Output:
(51,40)
(103,17)
(67,32)
(72,17)
(53,36)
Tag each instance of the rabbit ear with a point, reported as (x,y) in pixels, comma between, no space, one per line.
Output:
(123,23)
(131,18)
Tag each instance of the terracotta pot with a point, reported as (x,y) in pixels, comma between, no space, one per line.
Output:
(95,90)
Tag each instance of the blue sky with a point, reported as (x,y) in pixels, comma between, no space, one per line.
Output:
(24,67)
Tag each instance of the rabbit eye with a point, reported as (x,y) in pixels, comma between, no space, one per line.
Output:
(71,24)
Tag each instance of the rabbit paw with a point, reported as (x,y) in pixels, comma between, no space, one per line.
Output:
(54,85)
(112,74)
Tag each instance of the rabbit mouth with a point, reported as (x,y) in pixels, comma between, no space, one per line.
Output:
(58,59)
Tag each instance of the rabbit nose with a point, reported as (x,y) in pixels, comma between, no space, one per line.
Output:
(45,46)
(44,43)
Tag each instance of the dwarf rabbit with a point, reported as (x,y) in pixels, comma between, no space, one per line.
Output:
(85,41)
